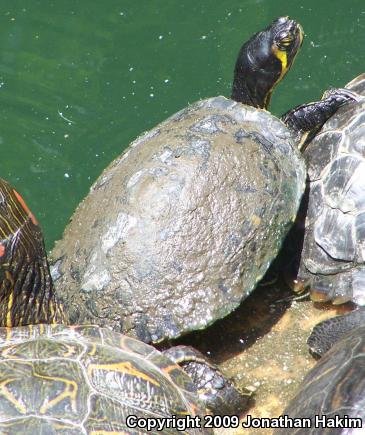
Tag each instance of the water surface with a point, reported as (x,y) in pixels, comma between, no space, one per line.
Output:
(79,79)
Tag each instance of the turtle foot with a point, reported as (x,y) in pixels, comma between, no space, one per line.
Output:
(328,332)
(218,393)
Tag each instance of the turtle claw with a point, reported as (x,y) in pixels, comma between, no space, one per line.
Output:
(299,297)
(342,94)
(341,300)
(321,296)
(299,285)
(318,296)
(303,290)
(300,288)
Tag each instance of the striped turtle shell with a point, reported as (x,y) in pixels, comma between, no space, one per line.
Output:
(25,285)
(86,380)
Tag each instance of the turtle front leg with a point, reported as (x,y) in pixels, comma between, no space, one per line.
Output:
(307,119)
(216,391)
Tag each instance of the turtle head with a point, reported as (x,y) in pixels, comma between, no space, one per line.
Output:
(264,60)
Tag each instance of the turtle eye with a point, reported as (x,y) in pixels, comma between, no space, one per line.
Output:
(284,41)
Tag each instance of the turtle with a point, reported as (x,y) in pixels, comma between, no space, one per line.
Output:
(90,380)
(332,257)
(180,228)
(332,395)
(86,379)
(23,265)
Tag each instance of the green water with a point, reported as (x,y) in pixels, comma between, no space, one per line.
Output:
(80,79)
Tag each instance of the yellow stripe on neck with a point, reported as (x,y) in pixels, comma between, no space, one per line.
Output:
(282,57)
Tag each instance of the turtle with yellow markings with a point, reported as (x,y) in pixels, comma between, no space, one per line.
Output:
(228,185)
(179,229)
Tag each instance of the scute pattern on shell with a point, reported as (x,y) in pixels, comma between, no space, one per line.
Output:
(334,387)
(179,228)
(333,256)
(24,270)
(85,379)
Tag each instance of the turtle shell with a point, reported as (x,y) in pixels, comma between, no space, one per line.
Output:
(333,256)
(178,230)
(26,291)
(85,379)
(334,388)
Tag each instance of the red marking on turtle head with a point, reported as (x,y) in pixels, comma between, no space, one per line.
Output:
(2,250)
(25,207)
